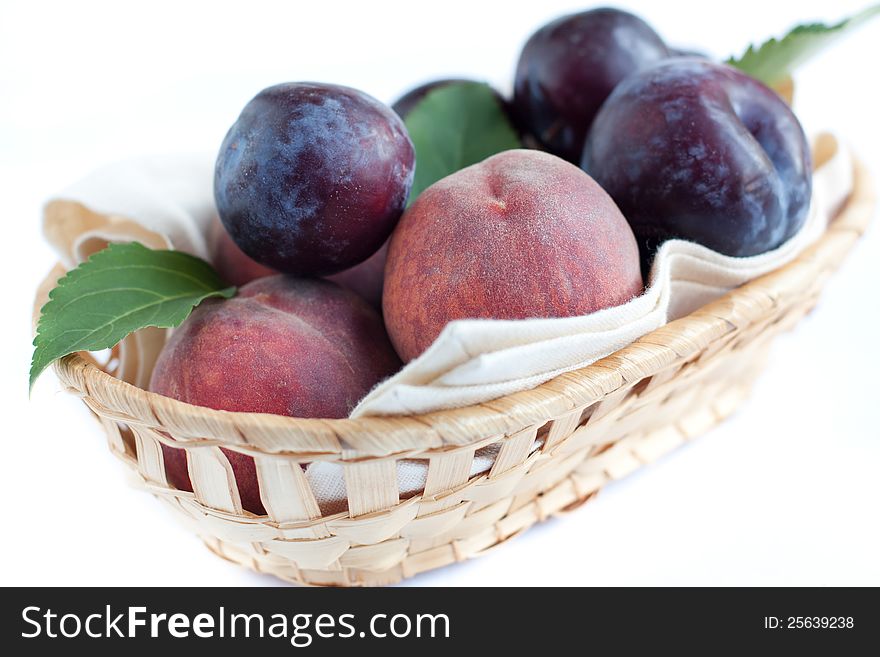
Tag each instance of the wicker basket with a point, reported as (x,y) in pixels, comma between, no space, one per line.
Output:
(593,425)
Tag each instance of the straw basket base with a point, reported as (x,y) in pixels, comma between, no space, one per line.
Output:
(553,447)
(577,481)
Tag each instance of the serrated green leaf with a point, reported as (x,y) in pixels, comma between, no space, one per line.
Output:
(117,291)
(455,126)
(776,59)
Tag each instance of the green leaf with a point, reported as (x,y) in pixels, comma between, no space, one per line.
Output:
(455,126)
(775,60)
(119,290)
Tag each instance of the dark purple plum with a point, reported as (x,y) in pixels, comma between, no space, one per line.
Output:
(569,67)
(312,178)
(700,151)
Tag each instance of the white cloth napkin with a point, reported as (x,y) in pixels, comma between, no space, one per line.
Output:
(163,201)
(168,202)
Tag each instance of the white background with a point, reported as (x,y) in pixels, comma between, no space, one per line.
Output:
(786,492)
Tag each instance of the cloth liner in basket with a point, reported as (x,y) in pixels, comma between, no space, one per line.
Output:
(167,202)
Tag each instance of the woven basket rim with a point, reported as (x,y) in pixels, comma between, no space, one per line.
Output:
(394,435)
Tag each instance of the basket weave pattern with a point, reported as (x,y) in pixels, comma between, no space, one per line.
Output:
(591,426)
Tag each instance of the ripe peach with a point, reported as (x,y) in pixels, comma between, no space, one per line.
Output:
(236,267)
(521,234)
(298,347)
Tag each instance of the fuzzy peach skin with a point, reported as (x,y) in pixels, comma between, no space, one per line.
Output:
(521,234)
(236,267)
(298,347)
